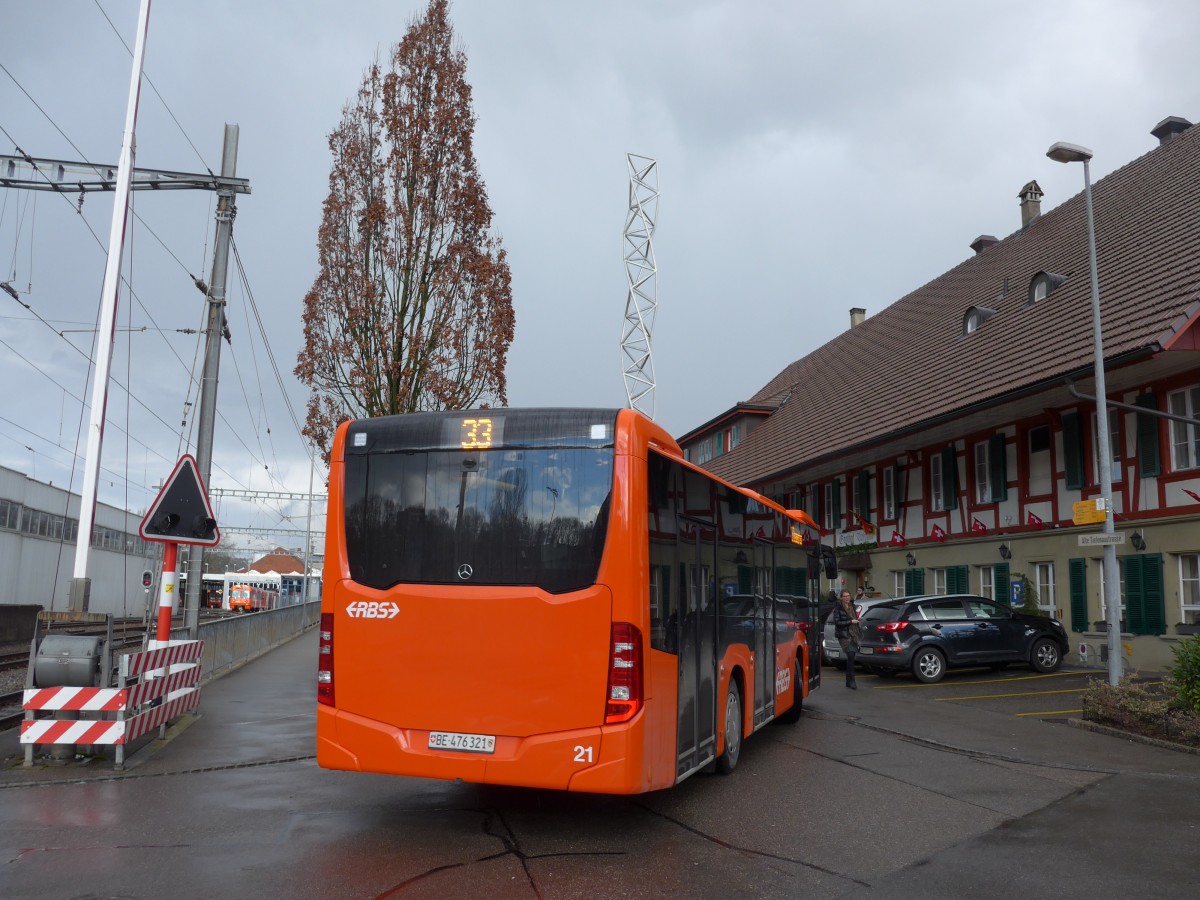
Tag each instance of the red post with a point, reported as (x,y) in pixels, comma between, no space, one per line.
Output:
(166,591)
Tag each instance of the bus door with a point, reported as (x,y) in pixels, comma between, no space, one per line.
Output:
(697,602)
(764,634)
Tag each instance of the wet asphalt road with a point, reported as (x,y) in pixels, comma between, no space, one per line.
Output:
(892,790)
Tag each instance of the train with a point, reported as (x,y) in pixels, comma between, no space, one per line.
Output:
(252,598)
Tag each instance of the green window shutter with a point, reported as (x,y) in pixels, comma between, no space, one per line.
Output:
(962,579)
(1003,583)
(998,467)
(950,478)
(914,582)
(1072,451)
(1149,460)
(1079,600)
(1145,609)
(1135,609)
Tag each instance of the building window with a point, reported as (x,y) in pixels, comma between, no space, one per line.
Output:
(1185,439)
(898,583)
(987,582)
(1040,475)
(937,501)
(10,515)
(1189,587)
(814,502)
(889,493)
(991,470)
(832,511)
(943,480)
(735,436)
(939,581)
(1043,575)
(1114,446)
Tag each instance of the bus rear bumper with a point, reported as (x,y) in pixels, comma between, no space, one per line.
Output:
(602,760)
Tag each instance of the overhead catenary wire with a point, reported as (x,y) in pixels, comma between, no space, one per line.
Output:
(267,451)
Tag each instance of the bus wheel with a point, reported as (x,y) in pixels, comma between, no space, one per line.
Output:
(792,715)
(728,760)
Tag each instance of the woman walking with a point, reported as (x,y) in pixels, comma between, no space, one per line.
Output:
(848,631)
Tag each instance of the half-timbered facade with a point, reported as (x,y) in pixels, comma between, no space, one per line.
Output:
(964,457)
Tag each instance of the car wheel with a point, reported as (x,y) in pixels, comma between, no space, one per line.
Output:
(792,716)
(728,760)
(1045,656)
(929,665)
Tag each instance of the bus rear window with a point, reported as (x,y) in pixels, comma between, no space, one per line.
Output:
(527,516)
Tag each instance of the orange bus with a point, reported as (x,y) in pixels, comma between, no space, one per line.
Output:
(552,598)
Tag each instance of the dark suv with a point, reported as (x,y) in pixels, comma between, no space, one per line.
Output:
(929,634)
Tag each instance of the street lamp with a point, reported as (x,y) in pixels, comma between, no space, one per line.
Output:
(1068,153)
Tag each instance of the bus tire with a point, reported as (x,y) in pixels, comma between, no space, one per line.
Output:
(792,715)
(728,760)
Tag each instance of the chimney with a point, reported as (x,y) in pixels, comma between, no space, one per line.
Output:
(857,316)
(1031,203)
(1169,127)
(983,242)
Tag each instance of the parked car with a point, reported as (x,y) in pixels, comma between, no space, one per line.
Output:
(831,649)
(927,635)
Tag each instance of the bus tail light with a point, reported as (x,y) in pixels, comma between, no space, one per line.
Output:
(325,661)
(624,674)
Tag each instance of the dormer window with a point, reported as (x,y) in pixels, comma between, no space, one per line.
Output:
(976,316)
(1043,285)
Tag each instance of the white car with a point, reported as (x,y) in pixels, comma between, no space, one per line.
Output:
(831,649)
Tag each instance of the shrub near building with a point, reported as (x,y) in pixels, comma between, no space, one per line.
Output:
(1167,710)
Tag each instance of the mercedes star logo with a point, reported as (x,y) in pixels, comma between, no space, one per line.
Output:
(465,571)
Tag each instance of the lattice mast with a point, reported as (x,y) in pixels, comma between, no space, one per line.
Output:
(641,274)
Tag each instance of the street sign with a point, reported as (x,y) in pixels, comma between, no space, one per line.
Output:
(1100,540)
(182,514)
(1018,592)
(1089,512)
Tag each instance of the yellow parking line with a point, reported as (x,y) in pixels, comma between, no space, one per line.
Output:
(897,687)
(1053,712)
(1017,694)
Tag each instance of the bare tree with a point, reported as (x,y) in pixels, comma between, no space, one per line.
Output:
(412,307)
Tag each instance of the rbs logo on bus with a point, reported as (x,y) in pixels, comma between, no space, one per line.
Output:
(362,609)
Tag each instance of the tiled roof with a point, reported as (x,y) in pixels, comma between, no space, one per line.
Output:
(911,362)
(278,560)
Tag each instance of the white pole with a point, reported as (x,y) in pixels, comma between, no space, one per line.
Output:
(108,318)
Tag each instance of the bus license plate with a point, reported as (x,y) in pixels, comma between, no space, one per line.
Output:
(470,743)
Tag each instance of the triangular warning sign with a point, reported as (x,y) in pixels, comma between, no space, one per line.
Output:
(182,514)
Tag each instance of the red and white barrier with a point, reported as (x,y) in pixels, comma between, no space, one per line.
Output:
(169,687)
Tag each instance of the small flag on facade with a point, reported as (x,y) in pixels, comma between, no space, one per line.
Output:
(1192,494)
(866,526)
(939,534)
(978,526)
(1031,519)
(898,539)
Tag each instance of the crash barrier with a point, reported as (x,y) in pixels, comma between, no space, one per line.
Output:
(234,641)
(153,687)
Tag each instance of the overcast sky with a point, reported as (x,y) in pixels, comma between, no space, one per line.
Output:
(812,158)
